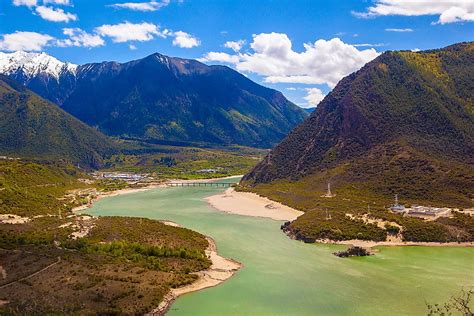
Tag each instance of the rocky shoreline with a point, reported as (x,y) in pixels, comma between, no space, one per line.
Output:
(353,252)
(297,235)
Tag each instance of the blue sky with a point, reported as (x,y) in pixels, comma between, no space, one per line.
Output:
(301,48)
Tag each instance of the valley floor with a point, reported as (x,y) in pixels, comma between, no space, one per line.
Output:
(97,264)
(220,269)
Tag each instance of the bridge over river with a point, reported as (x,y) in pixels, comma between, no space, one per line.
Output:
(200,184)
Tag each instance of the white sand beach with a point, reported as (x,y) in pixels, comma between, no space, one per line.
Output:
(251,204)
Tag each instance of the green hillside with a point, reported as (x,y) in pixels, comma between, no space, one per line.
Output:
(403,124)
(33,127)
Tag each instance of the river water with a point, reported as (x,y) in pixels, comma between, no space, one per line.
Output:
(286,277)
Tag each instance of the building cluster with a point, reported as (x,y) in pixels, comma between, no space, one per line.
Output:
(216,170)
(127,177)
(427,212)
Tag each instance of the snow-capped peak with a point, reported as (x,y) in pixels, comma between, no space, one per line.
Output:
(32,64)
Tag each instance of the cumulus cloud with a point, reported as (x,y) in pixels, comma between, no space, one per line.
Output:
(28,3)
(185,40)
(313,97)
(80,38)
(457,14)
(399,30)
(126,31)
(132,47)
(448,11)
(26,41)
(142,6)
(321,62)
(55,15)
(235,45)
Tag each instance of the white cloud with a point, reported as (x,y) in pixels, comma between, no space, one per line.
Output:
(26,41)
(185,40)
(321,62)
(369,45)
(28,3)
(80,38)
(235,45)
(220,57)
(58,2)
(415,50)
(313,97)
(457,14)
(142,6)
(291,89)
(55,15)
(126,31)
(399,30)
(448,11)
(132,47)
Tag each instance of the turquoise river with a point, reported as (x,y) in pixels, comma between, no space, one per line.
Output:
(286,277)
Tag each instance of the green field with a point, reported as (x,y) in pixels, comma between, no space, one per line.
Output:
(190,162)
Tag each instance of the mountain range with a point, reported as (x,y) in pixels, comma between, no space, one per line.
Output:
(403,124)
(160,98)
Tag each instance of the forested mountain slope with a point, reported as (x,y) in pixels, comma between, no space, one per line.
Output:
(404,124)
(33,127)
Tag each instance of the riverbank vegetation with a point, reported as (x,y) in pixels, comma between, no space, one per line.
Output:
(357,198)
(29,188)
(58,262)
(122,266)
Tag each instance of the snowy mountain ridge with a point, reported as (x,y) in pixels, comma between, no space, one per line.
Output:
(33,64)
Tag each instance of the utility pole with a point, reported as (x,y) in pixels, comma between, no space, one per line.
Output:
(328,215)
(329,193)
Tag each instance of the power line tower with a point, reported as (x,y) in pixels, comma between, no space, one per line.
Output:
(329,194)
(328,215)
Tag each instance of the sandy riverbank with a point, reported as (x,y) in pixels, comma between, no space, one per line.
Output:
(220,270)
(251,204)
(163,184)
(371,244)
(100,195)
